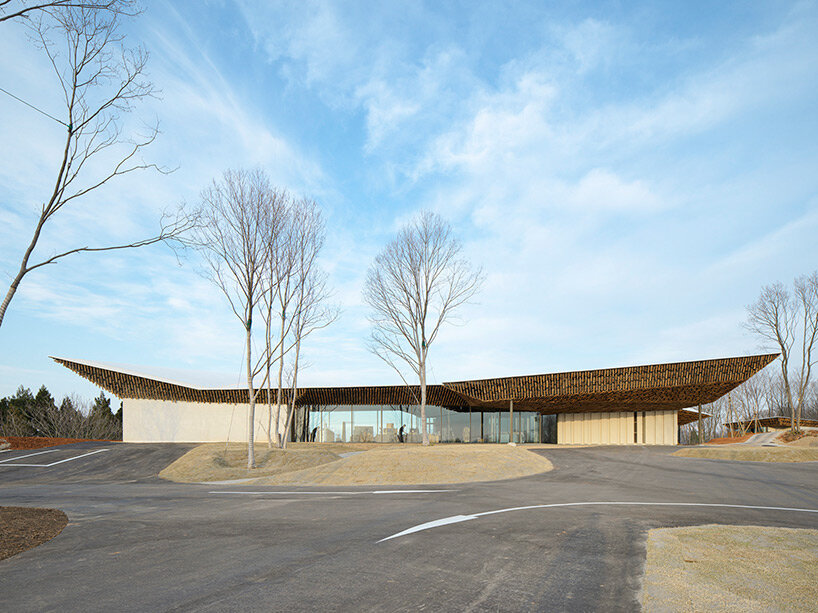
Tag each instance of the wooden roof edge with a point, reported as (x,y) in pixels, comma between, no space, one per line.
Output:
(771,418)
(75,367)
(84,370)
(601,371)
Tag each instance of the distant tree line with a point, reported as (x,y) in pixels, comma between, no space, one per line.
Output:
(27,414)
(763,395)
(784,318)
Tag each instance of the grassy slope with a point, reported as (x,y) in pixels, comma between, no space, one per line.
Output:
(751,453)
(731,568)
(379,464)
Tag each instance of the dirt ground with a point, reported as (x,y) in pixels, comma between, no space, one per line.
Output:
(750,453)
(22,528)
(366,464)
(39,442)
(731,568)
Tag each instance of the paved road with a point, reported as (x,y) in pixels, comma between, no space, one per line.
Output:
(136,543)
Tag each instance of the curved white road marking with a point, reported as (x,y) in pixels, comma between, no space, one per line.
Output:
(454,519)
(346,493)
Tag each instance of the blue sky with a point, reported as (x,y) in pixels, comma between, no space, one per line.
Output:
(627,174)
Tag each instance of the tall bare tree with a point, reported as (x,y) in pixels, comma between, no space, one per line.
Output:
(783,317)
(100,80)
(13,9)
(413,287)
(236,217)
(311,309)
(277,297)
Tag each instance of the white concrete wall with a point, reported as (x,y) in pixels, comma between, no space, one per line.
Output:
(165,421)
(617,428)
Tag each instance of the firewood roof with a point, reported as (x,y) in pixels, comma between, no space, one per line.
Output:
(651,387)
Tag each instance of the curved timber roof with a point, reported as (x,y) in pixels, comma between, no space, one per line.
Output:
(632,388)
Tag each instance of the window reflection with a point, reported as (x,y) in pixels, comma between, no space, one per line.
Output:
(390,423)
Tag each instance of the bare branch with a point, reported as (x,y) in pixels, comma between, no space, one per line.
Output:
(117,7)
(100,80)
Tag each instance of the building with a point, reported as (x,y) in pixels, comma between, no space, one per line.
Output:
(767,424)
(629,405)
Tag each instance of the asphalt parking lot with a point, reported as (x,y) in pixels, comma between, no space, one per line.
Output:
(136,543)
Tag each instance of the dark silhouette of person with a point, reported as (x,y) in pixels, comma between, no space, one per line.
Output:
(312,435)
(401,435)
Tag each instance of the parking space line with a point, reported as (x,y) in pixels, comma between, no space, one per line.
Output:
(4,463)
(77,457)
(20,457)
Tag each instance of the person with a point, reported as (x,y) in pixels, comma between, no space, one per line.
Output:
(401,435)
(312,436)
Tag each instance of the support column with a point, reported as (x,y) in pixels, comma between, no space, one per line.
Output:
(511,422)
(440,439)
(700,442)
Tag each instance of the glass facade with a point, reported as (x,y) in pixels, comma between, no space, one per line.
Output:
(384,424)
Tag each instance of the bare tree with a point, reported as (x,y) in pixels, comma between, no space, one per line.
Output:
(100,80)
(277,296)
(12,9)
(311,310)
(783,317)
(413,287)
(232,238)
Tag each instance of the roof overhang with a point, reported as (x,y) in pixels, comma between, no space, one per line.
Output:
(651,387)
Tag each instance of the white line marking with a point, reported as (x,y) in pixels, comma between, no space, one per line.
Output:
(290,493)
(52,463)
(454,519)
(410,491)
(346,493)
(77,457)
(20,457)
(460,518)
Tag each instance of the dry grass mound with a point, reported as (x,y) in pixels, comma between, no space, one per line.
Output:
(731,568)
(414,465)
(370,464)
(807,441)
(751,453)
(220,462)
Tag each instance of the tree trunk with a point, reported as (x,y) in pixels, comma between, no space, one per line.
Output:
(784,369)
(22,272)
(251,399)
(423,430)
(268,342)
(291,411)
(10,294)
(280,383)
